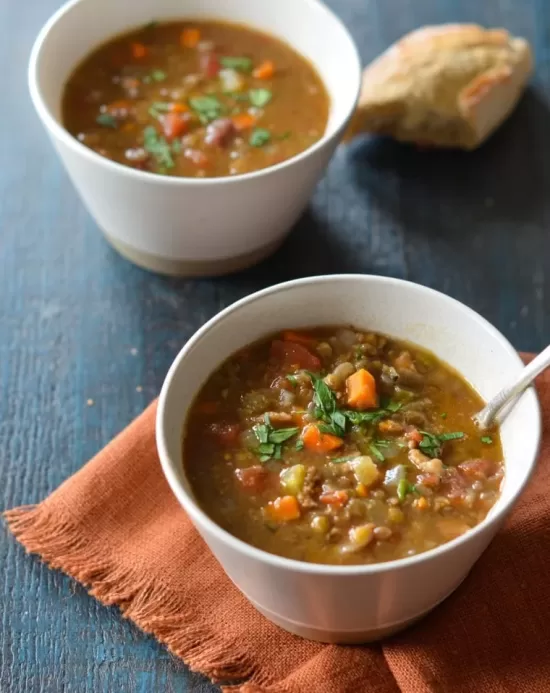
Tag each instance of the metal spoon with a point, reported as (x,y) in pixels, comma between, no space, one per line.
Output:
(486,416)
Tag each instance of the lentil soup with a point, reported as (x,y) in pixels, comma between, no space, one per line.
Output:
(196,99)
(341,446)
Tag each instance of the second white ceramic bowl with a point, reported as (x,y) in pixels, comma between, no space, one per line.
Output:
(351,604)
(194,226)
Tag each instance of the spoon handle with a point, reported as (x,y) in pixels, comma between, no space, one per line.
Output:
(485,417)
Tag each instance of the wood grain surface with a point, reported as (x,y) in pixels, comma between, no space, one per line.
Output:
(86,338)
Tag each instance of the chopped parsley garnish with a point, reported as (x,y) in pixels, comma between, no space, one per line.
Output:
(158,147)
(242,64)
(208,108)
(259,137)
(443,414)
(106,120)
(432,444)
(292,379)
(259,97)
(299,444)
(404,487)
(373,447)
(158,75)
(346,458)
(271,439)
(176,146)
(486,440)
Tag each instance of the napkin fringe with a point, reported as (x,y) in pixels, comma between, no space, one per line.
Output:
(60,545)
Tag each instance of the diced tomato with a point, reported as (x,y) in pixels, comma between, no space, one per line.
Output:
(209,64)
(335,498)
(477,469)
(227,434)
(174,125)
(252,478)
(414,436)
(292,354)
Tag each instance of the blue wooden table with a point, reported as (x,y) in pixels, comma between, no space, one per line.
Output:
(86,338)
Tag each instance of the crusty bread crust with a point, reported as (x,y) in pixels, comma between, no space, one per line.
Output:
(445,86)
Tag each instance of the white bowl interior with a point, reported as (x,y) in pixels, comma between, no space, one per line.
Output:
(84,24)
(408,311)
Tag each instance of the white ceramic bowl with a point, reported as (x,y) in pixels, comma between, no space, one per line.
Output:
(194,226)
(350,604)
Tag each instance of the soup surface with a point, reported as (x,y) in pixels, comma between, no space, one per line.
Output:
(340,446)
(196,99)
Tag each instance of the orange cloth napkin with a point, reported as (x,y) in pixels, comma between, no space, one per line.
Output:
(116,527)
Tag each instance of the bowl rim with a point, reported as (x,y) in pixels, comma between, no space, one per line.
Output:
(54,126)
(200,518)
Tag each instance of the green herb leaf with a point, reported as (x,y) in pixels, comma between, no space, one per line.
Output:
(176,146)
(278,452)
(158,147)
(266,448)
(331,429)
(151,25)
(323,397)
(292,379)
(259,97)
(265,458)
(207,107)
(259,137)
(158,75)
(486,440)
(346,458)
(285,135)
(339,422)
(279,435)
(106,120)
(394,406)
(299,444)
(456,435)
(443,414)
(242,64)
(404,487)
(261,432)
(377,452)
(361,417)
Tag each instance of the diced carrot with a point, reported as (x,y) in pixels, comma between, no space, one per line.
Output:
(298,338)
(361,390)
(139,50)
(361,490)
(174,125)
(190,37)
(337,498)
(178,108)
(207,407)
(284,509)
(227,434)
(243,121)
(316,441)
(265,70)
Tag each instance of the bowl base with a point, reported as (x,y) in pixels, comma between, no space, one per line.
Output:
(355,637)
(191,268)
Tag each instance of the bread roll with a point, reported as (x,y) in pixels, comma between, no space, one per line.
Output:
(444,86)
